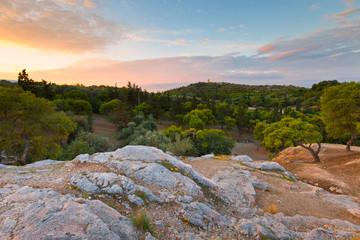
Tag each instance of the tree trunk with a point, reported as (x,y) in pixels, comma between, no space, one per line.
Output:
(314,153)
(352,139)
(22,159)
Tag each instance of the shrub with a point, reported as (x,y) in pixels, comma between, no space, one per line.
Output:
(172,131)
(213,141)
(142,223)
(182,147)
(150,138)
(86,142)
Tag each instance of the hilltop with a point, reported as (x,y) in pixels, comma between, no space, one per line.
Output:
(113,195)
(231,89)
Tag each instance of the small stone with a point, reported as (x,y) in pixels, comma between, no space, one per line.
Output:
(135,199)
(159,224)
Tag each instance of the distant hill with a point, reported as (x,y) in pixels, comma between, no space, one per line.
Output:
(231,89)
(7,83)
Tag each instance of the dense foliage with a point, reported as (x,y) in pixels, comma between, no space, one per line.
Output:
(341,111)
(205,114)
(30,127)
(289,132)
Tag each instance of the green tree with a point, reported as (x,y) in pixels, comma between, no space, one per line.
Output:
(30,127)
(198,118)
(76,94)
(26,83)
(289,132)
(213,141)
(340,111)
(109,107)
(223,110)
(241,117)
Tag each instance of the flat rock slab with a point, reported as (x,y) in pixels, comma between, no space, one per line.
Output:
(46,214)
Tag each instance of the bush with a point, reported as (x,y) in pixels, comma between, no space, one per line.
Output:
(213,141)
(171,132)
(86,142)
(143,131)
(150,138)
(182,147)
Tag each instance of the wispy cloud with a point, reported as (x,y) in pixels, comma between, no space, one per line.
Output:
(180,42)
(314,6)
(57,25)
(266,48)
(345,13)
(348,3)
(287,53)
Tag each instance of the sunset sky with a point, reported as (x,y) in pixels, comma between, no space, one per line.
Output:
(165,44)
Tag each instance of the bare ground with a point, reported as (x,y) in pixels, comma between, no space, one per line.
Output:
(338,168)
(291,198)
(103,128)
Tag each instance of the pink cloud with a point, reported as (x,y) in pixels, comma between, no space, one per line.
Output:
(266,48)
(288,53)
(179,42)
(344,14)
(57,25)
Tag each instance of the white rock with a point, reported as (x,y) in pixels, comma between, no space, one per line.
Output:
(241,158)
(237,186)
(269,166)
(135,199)
(140,153)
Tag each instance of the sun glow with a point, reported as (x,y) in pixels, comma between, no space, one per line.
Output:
(15,57)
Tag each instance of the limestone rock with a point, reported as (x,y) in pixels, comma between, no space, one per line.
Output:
(42,163)
(196,212)
(237,187)
(242,158)
(269,166)
(46,214)
(135,199)
(140,153)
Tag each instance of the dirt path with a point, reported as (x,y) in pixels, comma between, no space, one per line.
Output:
(103,128)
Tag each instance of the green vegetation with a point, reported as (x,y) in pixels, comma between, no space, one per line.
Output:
(340,111)
(289,132)
(31,128)
(86,142)
(204,117)
(143,223)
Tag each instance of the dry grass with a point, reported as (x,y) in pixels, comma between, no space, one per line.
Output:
(142,223)
(271,208)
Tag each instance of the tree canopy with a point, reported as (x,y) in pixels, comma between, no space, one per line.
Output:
(340,111)
(30,127)
(289,132)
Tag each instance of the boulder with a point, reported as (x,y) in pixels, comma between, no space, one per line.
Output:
(241,158)
(140,153)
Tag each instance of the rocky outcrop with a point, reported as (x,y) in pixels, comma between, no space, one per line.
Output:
(28,213)
(182,203)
